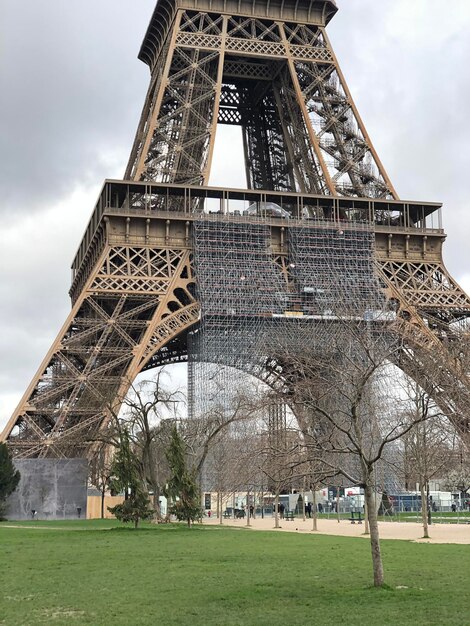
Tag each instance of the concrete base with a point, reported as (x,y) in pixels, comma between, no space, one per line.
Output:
(51,488)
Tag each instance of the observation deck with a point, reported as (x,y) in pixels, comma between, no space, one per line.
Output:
(160,215)
(319,12)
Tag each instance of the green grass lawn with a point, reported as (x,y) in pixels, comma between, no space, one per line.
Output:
(101,573)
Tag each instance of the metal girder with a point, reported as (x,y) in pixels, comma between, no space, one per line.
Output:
(136,300)
(177,131)
(275,74)
(138,304)
(265,142)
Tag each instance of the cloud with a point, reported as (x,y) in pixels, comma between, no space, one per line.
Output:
(405,68)
(72,90)
(35,256)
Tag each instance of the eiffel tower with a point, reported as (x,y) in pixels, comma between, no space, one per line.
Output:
(268,68)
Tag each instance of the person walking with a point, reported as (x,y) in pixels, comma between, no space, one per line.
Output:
(309,509)
(282,508)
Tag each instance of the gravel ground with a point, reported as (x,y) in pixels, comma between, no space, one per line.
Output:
(440,533)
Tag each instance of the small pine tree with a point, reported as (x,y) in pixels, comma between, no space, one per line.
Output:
(125,474)
(126,477)
(182,487)
(9,477)
(135,508)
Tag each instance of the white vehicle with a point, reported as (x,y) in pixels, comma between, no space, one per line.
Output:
(267,209)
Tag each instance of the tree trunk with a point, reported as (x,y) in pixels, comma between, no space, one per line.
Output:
(366,518)
(103,496)
(248,509)
(377,565)
(136,523)
(221,515)
(337,506)
(276,510)
(151,471)
(424,510)
(202,507)
(303,501)
(168,507)
(314,507)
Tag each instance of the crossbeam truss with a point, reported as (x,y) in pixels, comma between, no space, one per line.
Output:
(134,301)
(280,82)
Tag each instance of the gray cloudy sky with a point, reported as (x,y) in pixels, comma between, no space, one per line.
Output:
(71,90)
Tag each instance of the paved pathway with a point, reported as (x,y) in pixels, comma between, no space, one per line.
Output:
(411,531)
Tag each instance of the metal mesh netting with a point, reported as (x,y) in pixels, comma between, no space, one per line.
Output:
(251,309)
(239,289)
(333,270)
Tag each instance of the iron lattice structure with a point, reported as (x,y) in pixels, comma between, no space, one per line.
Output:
(270,69)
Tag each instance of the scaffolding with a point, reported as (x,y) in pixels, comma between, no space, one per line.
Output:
(333,269)
(257,304)
(239,288)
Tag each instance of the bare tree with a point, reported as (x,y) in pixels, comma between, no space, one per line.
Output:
(218,439)
(279,451)
(101,472)
(146,416)
(427,447)
(347,388)
(149,412)
(316,471)
(204,432)
(220,469)
(458,476)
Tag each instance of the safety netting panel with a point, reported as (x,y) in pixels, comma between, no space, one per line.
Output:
(253,310)
(333,268)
